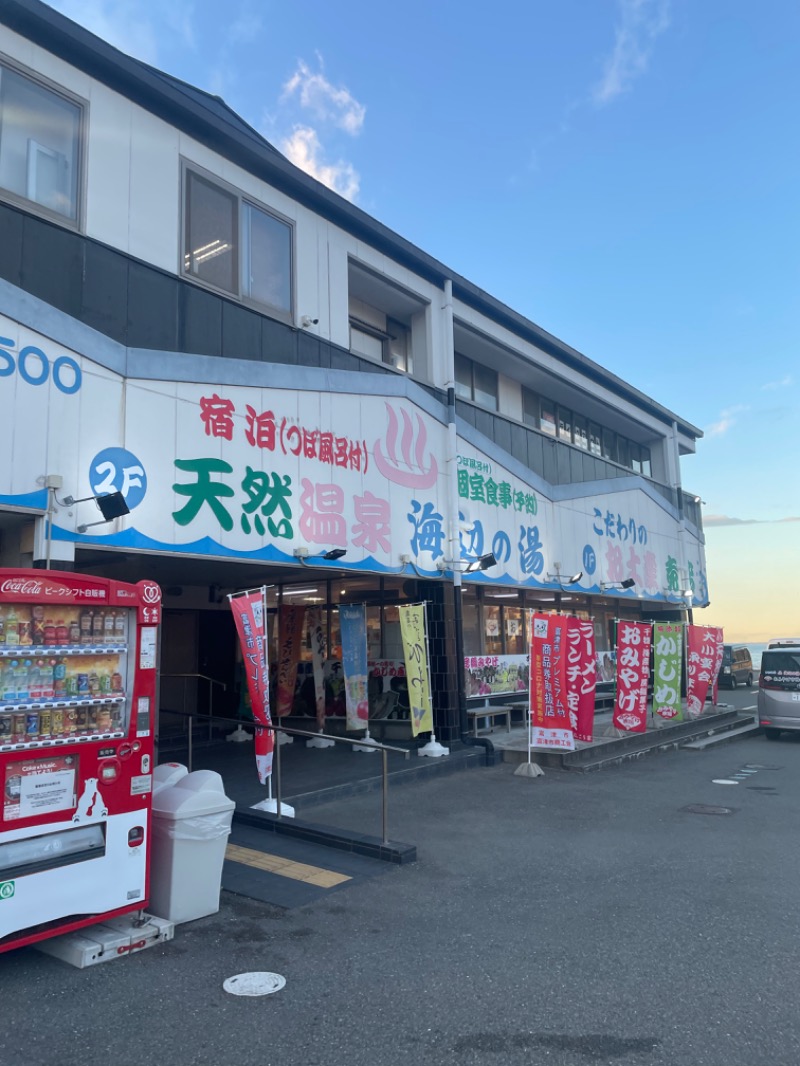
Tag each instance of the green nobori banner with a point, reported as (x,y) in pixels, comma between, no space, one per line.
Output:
(667,667)
(7,889)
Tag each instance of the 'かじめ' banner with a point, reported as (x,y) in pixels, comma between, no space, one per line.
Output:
(549,721)
(667,669)
(633,671)
(249,616)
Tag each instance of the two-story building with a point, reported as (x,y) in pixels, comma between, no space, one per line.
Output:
(288,393)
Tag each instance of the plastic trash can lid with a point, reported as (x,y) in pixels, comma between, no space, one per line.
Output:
(176,803)
(202,781)
(166,774)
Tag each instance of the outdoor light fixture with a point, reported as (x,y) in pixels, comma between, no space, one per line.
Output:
(303,554)
(564,581)
(472,566)
(628,583)
(111,506)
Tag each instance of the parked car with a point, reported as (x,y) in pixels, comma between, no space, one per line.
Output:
(779,687)
(737,666)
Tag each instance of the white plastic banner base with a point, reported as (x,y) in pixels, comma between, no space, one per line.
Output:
(320,742)
(367,745)
(433,749)
(271,806)
(239,735)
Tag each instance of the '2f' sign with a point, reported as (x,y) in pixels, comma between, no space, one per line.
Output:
(118,470)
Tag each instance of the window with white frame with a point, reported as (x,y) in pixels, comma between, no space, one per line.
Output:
(475,382)
(40,144)
(388,342)
(234,245)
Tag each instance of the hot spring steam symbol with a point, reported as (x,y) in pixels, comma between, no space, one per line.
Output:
(403,460)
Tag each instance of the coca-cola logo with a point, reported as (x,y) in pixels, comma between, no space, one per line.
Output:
(20,586)
(150,593)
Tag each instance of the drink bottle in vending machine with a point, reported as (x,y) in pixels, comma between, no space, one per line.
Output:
(78,660)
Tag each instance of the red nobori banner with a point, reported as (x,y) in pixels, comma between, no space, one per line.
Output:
(717,666)
(581,672)
(249,616)
(550,727)
(292,618)
(701,658)
(633,672)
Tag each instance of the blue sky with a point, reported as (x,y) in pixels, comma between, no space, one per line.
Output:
(623,172)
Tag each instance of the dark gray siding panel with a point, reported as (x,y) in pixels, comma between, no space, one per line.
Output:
(200,317)
(536,453)
(519,443)
(502,433)
(550,463)
(52,265)
(241,332)
(104,292)
(152,309)
(11,223)
(278,342)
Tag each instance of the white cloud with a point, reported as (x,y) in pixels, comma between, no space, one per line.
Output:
(247,25)
(641,22)
(303,148)
(726,420)
(784,383)
(325,101)
(123,23)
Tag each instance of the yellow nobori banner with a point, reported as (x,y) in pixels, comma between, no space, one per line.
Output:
(415,652)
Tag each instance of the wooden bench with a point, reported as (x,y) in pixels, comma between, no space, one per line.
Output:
(489,713)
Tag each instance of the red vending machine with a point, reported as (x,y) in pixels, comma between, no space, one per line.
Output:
(77,703)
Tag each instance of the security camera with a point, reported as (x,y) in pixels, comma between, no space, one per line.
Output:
(307,321)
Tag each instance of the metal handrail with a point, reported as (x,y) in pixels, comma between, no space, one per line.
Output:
(199,677)
(382,748)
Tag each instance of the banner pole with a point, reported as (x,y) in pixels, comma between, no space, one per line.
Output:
(433,747)
(530,768)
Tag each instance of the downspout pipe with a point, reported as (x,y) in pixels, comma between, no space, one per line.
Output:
(454,541)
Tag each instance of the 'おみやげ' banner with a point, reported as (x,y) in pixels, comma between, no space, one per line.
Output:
(633,671)
(290,635)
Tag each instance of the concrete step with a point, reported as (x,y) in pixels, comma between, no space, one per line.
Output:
(605,752)
(746,729)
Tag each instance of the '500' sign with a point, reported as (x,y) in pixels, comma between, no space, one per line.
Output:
(35,368)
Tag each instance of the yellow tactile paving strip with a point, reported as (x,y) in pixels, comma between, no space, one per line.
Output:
(275,864)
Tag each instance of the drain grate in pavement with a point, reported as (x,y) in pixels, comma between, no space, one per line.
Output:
(761,788)
(707,808)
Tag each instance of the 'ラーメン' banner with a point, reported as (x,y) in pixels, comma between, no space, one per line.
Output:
(250,618)
(353,627)
(667,669)
(290,636)
(581,675)
(701,656)
(549,720)
(633,671)
(415,651)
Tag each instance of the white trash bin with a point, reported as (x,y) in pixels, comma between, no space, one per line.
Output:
(191,825)
(166,774)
